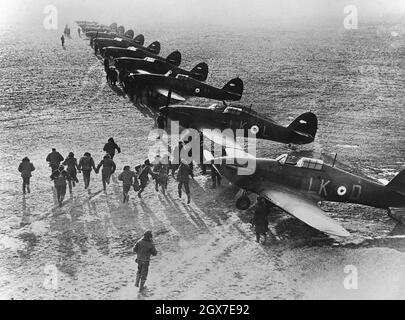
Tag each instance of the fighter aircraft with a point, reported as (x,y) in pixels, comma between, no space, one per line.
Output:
(129,35)
(300,131)
(114,52)
(151,65)
(182,86)
(100,43)
(297,185)
(87,26)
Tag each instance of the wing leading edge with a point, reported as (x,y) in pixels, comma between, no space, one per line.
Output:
(303,209)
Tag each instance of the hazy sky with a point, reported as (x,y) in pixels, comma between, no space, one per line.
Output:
(201,12)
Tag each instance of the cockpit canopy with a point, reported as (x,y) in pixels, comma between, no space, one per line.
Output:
(182,76)
(308,163)
(233,110)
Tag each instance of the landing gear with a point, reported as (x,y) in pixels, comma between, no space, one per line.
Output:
(243,202)
(291,146)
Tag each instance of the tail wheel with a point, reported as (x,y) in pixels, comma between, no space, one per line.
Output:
(243,203)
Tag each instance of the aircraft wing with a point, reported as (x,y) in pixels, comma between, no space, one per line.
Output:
(303,209)
(165,93)
(232,148)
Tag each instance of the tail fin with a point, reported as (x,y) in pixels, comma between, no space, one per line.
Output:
(121,30)
(235,86)
(398,183)
(140,39)
(174,58)
(154,48)
(130,34)
(114,27)
(200,72)
(306,124)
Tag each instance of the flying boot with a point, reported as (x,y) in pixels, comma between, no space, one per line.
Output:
(142,286)
(188,198)
(138,278)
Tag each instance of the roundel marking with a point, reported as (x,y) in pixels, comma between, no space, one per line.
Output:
(254,129)
(197,90)
(341,191)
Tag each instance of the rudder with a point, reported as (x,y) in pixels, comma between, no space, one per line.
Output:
(235,86)
(154,48)
(174,58)
(121,29)
(114,27)
(398,183)
(140,39)
(200,72)
(306,123)
(130,34)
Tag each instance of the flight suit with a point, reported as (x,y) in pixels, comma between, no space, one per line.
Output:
(127,177)
(86,164)
(54,159)
(183,179)
(144,249)
(26,167)
(108,169)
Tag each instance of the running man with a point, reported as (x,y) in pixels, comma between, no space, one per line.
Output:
(144,249)
(72,168)
(108,169)
(127,177)
(26,167)
(60,176)
(54,159)
(86,165)
(183,178)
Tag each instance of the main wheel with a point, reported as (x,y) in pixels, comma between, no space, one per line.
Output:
(243,203)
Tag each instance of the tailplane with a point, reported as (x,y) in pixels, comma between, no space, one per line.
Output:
(154,48)
(140,39)
(306,124)
(200,72)
(398,183)
(174,58)
(235,87)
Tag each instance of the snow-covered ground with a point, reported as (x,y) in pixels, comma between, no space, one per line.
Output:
(58,98)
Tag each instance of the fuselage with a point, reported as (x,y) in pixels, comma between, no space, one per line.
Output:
(115,42)
(150,65)
(117,52)
(318,181)
(183,85)
(236,119)
(105,35)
